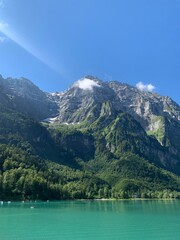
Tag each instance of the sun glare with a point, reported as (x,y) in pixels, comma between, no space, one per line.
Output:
(7,31)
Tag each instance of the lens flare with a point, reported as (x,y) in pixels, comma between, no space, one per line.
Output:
(6,30)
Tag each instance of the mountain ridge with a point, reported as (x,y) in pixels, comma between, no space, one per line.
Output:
(100,140)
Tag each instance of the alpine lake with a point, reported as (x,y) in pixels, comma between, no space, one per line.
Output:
(91,220)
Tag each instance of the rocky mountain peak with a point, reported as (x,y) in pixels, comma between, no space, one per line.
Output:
(87,83)
(84,101)
(140,104)
(89,98)
(117,118)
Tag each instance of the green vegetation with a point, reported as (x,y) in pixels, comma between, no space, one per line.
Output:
(111,158)
(159,134)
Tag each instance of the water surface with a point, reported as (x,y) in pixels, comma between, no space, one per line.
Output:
(97,220)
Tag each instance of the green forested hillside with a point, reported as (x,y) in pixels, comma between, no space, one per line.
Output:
(111,158)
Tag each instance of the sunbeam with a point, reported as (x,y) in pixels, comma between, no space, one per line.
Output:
(12,35)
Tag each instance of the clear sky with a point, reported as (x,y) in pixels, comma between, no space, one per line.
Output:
(56,42)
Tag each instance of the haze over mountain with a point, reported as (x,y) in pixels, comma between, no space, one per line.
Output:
(100,139)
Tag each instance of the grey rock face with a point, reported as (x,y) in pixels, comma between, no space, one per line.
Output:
(95,102)
(145,106)
(83,101)
(88,94)
(89,98)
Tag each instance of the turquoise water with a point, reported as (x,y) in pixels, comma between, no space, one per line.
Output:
(97,220)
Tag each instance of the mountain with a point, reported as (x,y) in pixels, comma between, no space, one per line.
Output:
(95,140)
(27,98)
(90,98)
(83,102)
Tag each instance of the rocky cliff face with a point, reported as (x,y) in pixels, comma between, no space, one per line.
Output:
(84,102)
(108,137)
(90,99)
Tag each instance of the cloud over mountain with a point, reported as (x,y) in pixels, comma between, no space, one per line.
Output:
(86,84)
(145,87)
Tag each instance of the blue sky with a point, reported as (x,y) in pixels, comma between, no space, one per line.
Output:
(56,42)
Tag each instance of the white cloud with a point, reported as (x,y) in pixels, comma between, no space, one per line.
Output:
(145,87)
(86,84)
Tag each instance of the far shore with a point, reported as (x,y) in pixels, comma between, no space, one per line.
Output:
(97,199)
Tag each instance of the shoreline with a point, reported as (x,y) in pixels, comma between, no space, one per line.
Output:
(75,200)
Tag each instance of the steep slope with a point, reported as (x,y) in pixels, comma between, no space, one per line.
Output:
(123,133)
(34,166)
(95,148)
(122,155)
(87,93)
(157,114)
(85,101)
(28,98)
